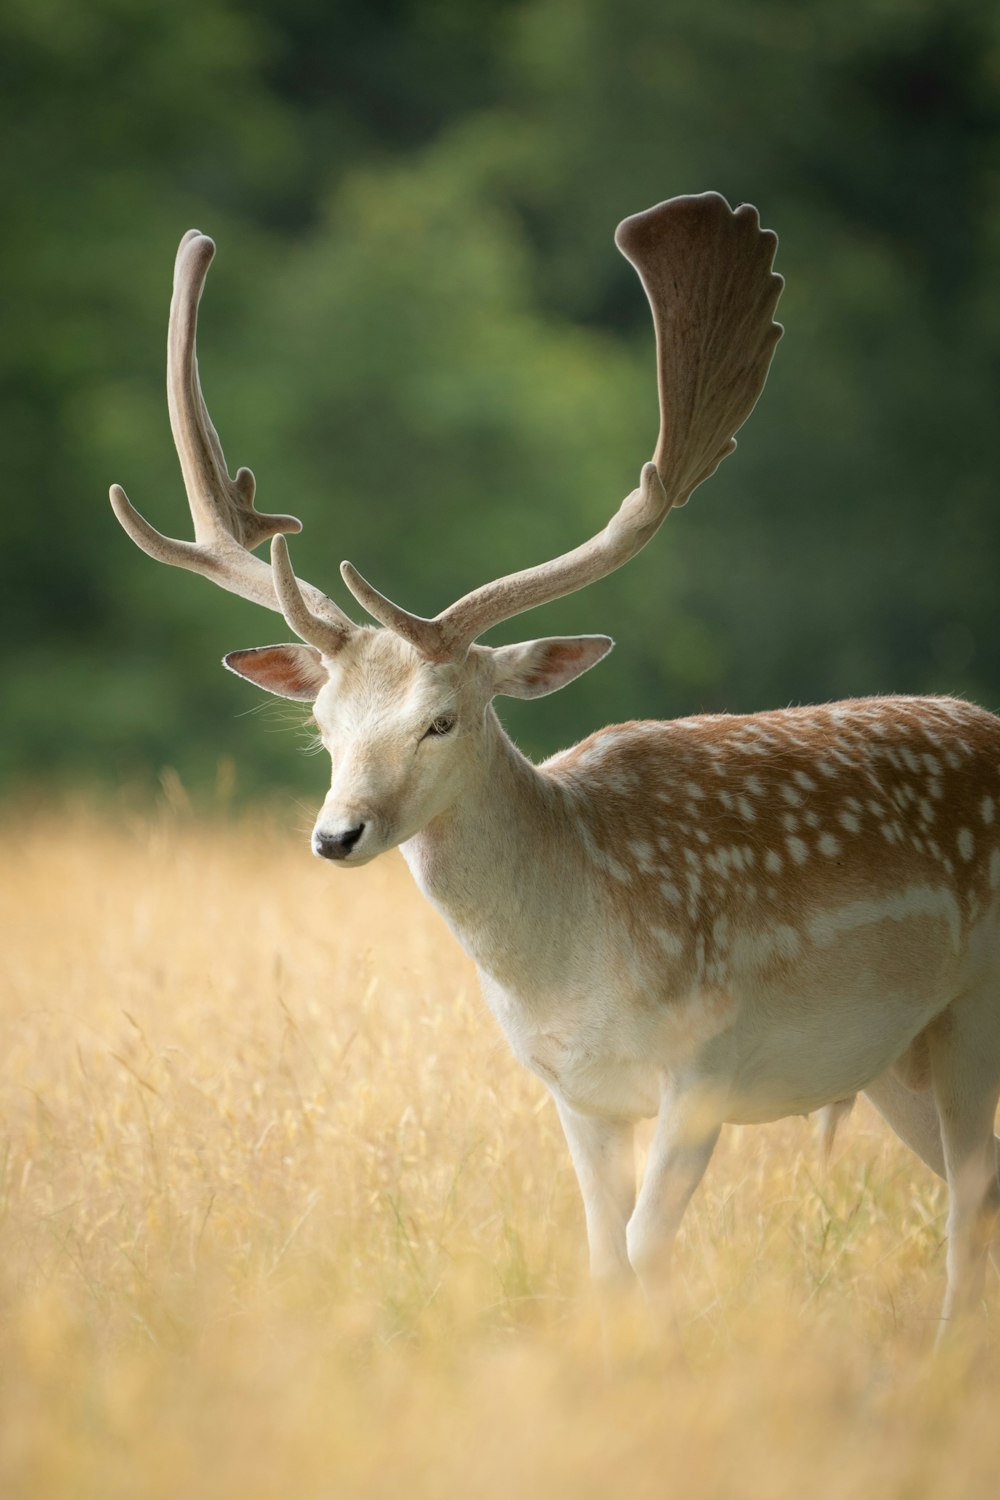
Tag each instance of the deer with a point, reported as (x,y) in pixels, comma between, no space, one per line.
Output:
(718,919)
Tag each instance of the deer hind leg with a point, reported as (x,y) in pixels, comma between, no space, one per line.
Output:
(914,1118)
(965,1073)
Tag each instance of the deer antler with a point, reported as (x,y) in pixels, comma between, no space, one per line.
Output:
(707,273)
(226,525)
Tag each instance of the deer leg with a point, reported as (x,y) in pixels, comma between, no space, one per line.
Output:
(604,1161)
(913,1116)
(686,1132)
(966,1088)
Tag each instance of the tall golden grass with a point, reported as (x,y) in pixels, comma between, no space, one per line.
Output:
(281,1217)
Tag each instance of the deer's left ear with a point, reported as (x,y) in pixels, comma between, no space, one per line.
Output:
(534,668)
(292,671)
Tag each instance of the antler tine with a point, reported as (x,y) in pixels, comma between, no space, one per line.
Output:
(707,273)
(326,635)
(226,525)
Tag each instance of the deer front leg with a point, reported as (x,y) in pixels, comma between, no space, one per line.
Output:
(687,1129)
(603,1156)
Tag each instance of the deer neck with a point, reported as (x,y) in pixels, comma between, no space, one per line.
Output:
(493,862)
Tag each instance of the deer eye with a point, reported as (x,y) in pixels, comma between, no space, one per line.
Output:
(443,724)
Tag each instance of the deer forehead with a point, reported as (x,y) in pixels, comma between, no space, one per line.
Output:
(380,682)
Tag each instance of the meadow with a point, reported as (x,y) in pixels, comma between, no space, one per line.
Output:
(281,1217)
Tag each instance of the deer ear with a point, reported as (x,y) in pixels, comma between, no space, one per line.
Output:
(534,668)
(290,671)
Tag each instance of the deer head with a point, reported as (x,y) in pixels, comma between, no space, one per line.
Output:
(405,711)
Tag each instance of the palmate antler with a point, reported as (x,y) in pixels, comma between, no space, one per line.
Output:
(707,273)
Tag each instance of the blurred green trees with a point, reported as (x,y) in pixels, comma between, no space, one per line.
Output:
(419,335)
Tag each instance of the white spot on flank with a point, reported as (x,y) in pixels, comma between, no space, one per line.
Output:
(805,780)
(754,786)
(694,791)
(850,821)
(670,892)
(931,762)
(988,809)
(910,759)
(797,849)
(745,810)
(602,860)
(668,941)
(772,861)
(995,869)
(791,796)
(927,810)
(790,821)
(826,769)
(966,844)
(829,845)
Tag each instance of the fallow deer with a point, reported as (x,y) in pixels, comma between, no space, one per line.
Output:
(720,918)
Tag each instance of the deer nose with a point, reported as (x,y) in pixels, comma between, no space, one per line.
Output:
(337,845)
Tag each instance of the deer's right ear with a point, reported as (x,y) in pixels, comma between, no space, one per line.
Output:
(290,671)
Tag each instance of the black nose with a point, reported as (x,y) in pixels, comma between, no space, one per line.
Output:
(337,845)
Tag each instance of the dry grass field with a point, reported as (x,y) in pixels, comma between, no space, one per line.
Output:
(281,1218)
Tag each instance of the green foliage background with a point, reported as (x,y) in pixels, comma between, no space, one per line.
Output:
(420,336)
